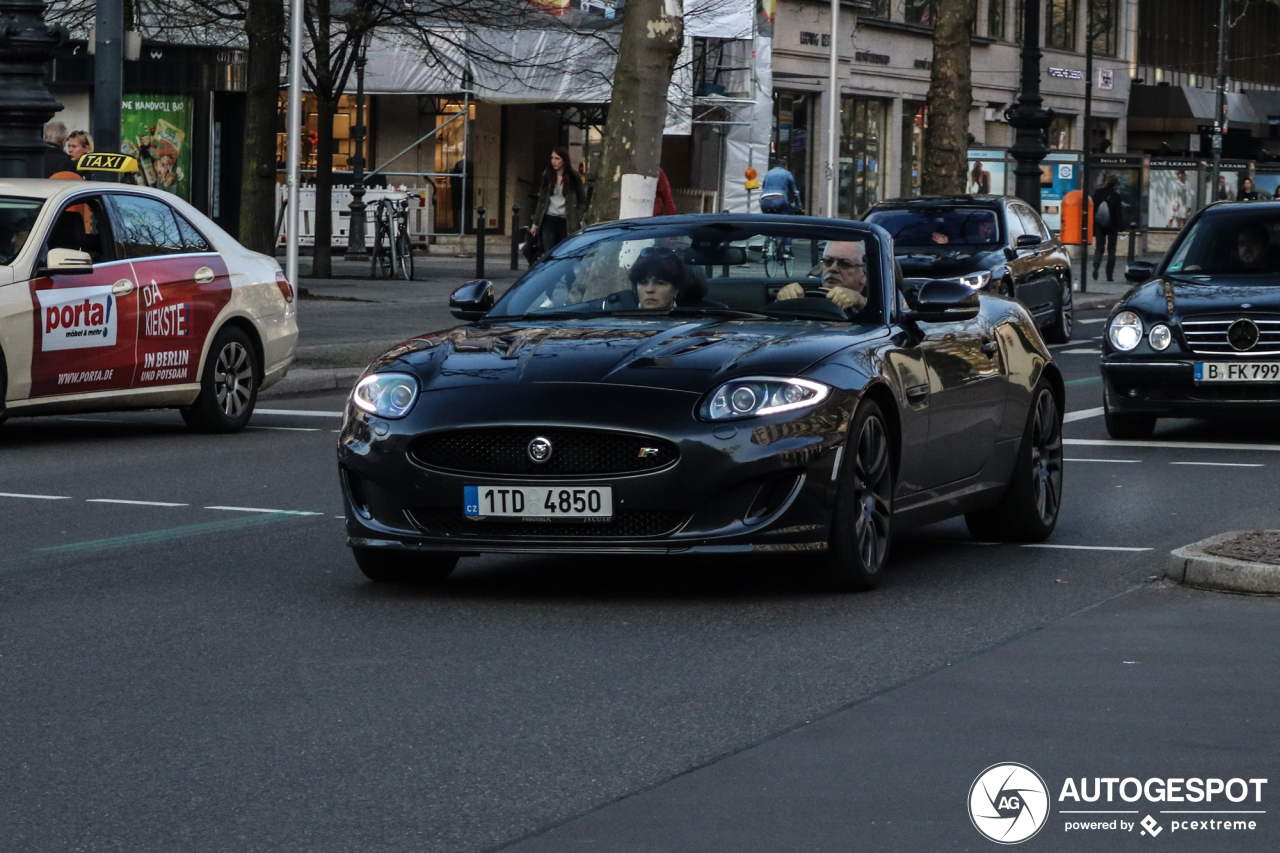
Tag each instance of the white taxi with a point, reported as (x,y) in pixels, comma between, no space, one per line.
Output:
(114,296)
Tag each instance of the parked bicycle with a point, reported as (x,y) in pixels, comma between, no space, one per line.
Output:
(392,252)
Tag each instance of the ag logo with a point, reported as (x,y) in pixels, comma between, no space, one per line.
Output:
(1008,803)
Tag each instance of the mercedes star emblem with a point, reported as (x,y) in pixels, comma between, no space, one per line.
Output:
(1242,335)
(540,449)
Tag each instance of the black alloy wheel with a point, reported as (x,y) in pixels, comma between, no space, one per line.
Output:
(1133,427)
(1059,331)
(228,385)
(1028,512)
(394,566)
(861,526)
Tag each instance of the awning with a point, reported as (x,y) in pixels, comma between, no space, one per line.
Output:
(1186,109)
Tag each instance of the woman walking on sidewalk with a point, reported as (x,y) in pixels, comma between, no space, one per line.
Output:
(562,200)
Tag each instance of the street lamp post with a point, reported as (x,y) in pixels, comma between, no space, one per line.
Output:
(356,247)
(1029,118)
(26,42)
(108,73)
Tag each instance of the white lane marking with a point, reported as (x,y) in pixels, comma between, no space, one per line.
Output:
(1115,461)
(1084,547)
(286,429)
(260,509)
(1224,464)
(301,413)
(1081,351)
(131,503)
(35,497)
(1182,445)
(1082,415)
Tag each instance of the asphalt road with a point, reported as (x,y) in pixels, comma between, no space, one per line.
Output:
(189,659)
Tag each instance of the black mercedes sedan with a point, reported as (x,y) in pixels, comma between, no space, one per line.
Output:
(648,389)
(995,244)
(1199,335)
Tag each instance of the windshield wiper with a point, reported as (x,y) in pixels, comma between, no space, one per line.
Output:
(689,311)
(543,315)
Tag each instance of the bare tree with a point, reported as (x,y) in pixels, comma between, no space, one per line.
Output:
(950,96)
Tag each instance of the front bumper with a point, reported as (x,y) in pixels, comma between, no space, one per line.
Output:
(1169,389)
(753,486)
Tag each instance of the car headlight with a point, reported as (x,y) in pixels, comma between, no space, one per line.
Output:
(387,395)
(751,397)
(1160,337)
(1126,331)
(976,280)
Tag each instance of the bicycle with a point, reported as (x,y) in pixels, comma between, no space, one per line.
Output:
(777,255)
(392,250)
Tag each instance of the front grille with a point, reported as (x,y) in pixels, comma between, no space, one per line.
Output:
(625,525)
(574,452)
(1209,336)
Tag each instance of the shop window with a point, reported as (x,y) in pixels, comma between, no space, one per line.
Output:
(996,18)
(920,12)
(880,9)
(450,159)
(1060,133)
(862,141)
(1061,17)
(1105,26)
(344,138)
(791,116)
(915,118)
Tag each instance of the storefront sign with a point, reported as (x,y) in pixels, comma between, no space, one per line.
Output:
(1106,78)
(815,39)
(873,58)
(924,64)
(1066,73)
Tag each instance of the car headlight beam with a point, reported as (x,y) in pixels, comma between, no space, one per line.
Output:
(976,280)
(1125,331)
(762,395)
(387,395)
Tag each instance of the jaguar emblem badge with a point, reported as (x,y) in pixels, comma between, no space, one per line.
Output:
(540,449)
(1242,335)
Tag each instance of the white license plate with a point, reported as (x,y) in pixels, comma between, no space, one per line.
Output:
(1252,371)
(544,502)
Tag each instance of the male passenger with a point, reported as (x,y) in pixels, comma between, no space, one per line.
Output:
(844,276)
(1252,246)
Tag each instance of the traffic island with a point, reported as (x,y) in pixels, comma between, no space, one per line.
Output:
(1240,561)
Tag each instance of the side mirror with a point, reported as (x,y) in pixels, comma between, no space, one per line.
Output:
(473,300)
(944,301)
(1027,241)
(66,262)
(1139,271)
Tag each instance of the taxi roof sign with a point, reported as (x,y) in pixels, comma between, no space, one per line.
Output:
(107,163)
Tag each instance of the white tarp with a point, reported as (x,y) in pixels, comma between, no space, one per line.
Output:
(718,19)
(748,144)
(403,64)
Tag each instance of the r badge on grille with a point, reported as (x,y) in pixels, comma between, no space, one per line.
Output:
(646,452)
(540,449)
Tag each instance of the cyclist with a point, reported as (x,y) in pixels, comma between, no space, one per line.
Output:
(778,189)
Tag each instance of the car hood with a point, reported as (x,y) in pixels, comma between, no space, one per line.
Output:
(1167,296)
(946,264)
(667,353)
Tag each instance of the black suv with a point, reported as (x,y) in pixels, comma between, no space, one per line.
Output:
(995,244)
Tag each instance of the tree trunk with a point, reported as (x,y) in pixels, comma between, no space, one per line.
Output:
(946,139)
(650,46)
(264,25)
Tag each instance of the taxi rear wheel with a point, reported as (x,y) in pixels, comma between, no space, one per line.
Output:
(228,385)
(383,566)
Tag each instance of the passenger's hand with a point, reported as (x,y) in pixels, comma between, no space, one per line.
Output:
(939,237)
(846,298)
(792,291)
(533,230)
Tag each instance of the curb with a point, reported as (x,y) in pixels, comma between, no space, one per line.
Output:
(303,380)
(1193,566)
(1089,301)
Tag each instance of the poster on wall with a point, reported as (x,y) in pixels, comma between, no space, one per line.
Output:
(1056,180)
(986,173)
(1228,185)
(1173,196)
(1128,173)
(155,130)
(1267,184)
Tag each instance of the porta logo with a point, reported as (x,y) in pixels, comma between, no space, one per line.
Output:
(77,318)
(1008,803)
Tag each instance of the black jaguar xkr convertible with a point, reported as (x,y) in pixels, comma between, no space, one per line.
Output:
(648,389)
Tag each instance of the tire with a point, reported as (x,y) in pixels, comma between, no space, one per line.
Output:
(1133,427)
(1059,331)
(770,257)
(405,254)
(385,566)
(1028,512)
(788,262)
(228,385)
(861,525)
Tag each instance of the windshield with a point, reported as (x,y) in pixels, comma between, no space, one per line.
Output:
(939,226)
(1239,242)
(731,269)
(17,216)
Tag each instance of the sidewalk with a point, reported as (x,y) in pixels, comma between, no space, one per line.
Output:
(347,320)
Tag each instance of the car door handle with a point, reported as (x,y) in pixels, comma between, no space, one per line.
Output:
(916,394)
(122,287)
(204,275)
(991,348)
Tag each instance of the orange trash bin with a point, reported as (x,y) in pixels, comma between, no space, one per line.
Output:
(1070,232)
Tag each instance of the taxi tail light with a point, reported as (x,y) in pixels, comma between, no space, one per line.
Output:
(286,289)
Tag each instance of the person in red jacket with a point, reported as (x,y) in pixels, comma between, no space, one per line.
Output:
(663,203)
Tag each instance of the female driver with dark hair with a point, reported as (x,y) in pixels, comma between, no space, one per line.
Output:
(658,278)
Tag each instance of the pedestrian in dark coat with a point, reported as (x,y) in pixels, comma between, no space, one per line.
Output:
(562,199)
(1108,221)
